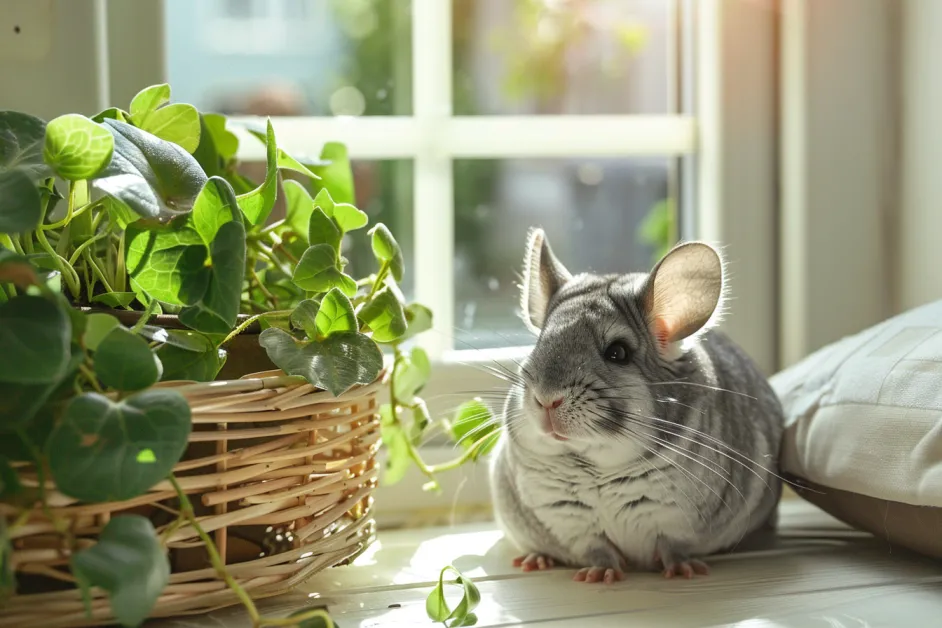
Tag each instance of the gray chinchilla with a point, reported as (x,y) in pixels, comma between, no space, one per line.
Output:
(635,437)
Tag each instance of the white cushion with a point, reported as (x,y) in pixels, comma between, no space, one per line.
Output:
(864,414)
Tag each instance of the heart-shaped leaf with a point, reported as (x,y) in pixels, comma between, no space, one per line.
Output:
(335,315)
(178,123)
(347,217)
(323,230)
(474,427)
(148,100)
(97,327)
(155,178)
(35,335)
(215,205)
(335,173)
(115,299)
(257,204)
(217,311)
(299,207)
(21,145)
(93,450)
(304,316)
(317,271)
(129,563)
(411,374)
(20,202)
(111,113)
(190,355)
(418,320)
(167,263)
(386,249)
(76,147)
(227,142)
(335,364)
(123,361)
(384,316)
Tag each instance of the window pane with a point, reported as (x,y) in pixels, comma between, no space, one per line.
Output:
(563,56)
(291,57)
(600,215)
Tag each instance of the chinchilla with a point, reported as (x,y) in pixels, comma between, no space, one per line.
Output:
(636,436)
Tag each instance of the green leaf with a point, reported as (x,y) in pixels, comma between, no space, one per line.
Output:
(155,178)
(93,449)
(129,563)
(35,335)
(123,361)
(299,207)
(178,123)
(97,326)
(21,145)
(119,213)
(20,202)
(76,147)
(190,355)
(111,113)
(115,299)
(396,444)
(317,271)
(148,100)
(257,204)
(411,374)
(335,315)
(436,607)
(227,142)
(29,406)
(386,249)
(384,316)
(167,263)
(340,361)
(304,316)
(323,230)
(217,311)
(336,174)
(318,621)
(347,217)
(474,427)
(285,161)
(215,205)
(418,320)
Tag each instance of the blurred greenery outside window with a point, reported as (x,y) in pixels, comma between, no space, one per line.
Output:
(510,57)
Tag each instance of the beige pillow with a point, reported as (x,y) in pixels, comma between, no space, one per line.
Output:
(864,428)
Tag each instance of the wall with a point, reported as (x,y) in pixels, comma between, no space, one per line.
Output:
(919,278)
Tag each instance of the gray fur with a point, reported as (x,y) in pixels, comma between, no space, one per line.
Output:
(673,452)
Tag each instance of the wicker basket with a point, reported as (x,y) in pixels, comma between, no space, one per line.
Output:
(280,473)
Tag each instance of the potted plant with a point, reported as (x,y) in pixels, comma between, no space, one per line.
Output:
(107,448)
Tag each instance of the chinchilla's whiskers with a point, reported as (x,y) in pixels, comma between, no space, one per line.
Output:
(621,429)
(477,430)
(684,473)
(472,347)
(679,403)
(704,386)
(708,437)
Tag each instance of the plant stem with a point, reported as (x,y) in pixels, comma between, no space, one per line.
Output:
(261,286)
(297,619)
(215,559)
(84,245)
(70,276)
(241,328)
(90,376)
(380,277)
(90,259)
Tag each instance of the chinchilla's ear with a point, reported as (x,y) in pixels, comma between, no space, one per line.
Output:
(683,293)
(543,276)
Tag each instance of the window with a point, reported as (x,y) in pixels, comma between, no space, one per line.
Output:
(617,125)
(471,121)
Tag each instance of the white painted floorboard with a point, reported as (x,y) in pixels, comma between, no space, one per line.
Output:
(817,572)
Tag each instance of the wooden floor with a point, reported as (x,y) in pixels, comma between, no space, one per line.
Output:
(817,572)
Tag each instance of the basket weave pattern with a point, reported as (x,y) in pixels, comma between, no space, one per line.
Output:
(280,474)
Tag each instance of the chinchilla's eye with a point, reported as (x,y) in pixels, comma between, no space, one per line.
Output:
(617,352)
